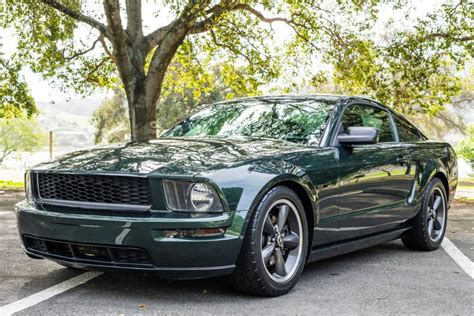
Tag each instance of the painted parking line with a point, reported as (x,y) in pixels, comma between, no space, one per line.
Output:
(464,262)
(4,213)
(47,293)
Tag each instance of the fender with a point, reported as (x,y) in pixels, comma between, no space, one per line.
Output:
(244,186)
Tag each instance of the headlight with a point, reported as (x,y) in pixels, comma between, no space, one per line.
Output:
(187,196)
(28,189)
(201,197)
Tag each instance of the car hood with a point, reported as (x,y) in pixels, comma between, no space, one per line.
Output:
(173,156)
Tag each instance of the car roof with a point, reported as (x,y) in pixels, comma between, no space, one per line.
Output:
(293,97)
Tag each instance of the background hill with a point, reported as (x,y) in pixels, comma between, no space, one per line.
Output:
(70,122)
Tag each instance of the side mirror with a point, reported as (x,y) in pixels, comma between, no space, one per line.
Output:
(358,135)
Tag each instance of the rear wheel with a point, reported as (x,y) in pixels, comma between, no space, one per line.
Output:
(274,247)
(430,223)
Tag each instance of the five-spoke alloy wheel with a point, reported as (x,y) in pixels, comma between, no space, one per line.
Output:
(275,245)
(281,242)
(429,225)
(436,212)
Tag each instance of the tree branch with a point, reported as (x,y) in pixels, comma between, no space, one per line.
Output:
(134,19)
(112,11)
(261,17)
(85,51)
(466,38)
(173,35)
(216,12)
(157,36)
(93,70)
(106,49)
(77,16)
(119,40)
(233,49)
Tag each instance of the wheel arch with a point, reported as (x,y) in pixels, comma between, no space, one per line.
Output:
(440,175)
(433,169)
(308,205)
(305,192)
(259,179)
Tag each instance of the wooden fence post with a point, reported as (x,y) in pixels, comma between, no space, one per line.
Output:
(50,145)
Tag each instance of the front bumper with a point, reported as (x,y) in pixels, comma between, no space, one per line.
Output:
(170,257)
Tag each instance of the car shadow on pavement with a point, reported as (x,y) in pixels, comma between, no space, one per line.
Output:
(145,288)
(362,282)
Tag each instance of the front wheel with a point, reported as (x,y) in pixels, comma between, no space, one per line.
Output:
(430,223)
(274,247)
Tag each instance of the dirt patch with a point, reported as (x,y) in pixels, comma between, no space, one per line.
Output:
(9,198)
(461,217)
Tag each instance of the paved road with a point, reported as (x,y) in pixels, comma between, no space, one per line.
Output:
(387,279)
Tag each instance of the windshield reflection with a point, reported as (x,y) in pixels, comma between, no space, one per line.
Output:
(291,119)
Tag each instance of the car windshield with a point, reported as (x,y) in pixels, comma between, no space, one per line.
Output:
(296,120)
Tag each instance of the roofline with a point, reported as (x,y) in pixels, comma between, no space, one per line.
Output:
(308,95)
(257,97)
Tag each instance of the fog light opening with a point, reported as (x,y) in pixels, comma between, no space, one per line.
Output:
(193,233)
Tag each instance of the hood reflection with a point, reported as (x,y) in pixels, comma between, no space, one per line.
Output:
(177,155)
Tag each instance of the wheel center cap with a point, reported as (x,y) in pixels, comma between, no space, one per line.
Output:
(279,240)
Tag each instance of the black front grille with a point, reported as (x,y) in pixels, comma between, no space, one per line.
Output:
(90,210)
(98,254)
(94,188)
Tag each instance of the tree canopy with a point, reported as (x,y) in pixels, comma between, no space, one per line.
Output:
(81,46)
(19,134)
(15,96)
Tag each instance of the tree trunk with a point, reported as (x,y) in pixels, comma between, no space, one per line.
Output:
(142,112)
(142,119)
(143,89)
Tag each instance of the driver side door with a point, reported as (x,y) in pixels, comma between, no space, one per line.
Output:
(374,179)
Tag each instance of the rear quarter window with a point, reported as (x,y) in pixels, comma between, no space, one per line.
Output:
(406,132)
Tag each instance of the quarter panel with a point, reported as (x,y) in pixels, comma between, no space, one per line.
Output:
(430,158)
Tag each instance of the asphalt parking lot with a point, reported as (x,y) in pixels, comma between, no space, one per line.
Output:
(387,279)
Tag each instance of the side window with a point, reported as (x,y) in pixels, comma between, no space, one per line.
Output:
(362,115)
(406,133)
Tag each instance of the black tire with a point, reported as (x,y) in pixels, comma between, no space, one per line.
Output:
(421,236)
(252,275)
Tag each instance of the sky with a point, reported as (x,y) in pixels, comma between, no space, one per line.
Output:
(43,91)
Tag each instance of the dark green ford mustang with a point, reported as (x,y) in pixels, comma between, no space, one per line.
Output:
(254,188)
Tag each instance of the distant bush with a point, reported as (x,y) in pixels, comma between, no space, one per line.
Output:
(465,148)
(11,185)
